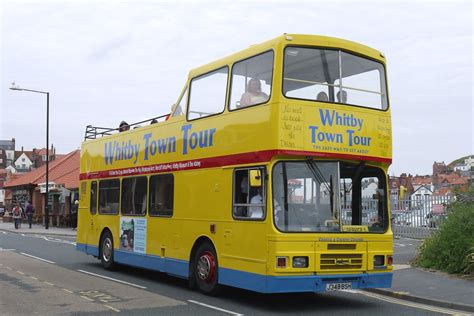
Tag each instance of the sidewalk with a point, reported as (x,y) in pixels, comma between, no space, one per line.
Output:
(38,229)
(432,288)
(427,287)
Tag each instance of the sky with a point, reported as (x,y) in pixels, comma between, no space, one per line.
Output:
(105,61)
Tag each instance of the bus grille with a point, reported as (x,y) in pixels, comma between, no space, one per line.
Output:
(338,261)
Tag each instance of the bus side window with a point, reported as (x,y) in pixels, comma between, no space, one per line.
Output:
(109,192)
(249,194)
(251,81)
(93,201)
(134,196)
(161,195)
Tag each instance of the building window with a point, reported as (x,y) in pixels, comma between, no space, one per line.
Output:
(134,196)
(161,195)
(109,193)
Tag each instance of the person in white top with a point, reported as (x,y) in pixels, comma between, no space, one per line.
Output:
(256,211)
(254,94)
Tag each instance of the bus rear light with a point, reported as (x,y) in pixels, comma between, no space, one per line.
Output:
(389,260)
(281,262)
(300,262)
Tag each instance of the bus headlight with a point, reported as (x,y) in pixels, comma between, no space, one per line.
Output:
(379,261)
(300,262)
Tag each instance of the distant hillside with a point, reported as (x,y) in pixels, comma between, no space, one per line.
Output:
(457,161)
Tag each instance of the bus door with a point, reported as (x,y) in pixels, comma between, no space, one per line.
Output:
(91,223)
(245,240)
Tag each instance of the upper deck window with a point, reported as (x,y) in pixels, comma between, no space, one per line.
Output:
(251,81)
(334,76)
(207,94)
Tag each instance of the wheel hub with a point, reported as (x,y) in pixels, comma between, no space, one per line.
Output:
(206,267)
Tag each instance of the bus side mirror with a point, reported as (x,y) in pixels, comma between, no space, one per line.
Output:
(255,178)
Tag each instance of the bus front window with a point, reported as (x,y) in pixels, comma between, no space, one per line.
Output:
(311,196)
(328,75)
(305,196)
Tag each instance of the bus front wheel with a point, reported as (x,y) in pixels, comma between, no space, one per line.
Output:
(107,251)
(206,269)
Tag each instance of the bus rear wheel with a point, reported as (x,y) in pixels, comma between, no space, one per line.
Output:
(206,269)
(107,251)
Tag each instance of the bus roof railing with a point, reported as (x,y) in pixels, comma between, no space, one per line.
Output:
(93,132)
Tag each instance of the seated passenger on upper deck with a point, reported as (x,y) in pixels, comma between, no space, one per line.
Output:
(322,96)
(254,94)
(124,126)
(342,99)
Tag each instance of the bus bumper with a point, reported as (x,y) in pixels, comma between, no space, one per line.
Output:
(311,283)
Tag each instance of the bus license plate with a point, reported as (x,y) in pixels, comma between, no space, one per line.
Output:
(338,286)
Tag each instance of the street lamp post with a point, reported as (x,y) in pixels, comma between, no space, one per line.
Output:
(46,201)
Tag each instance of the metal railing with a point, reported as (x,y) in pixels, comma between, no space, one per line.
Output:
(418,218)
(92,132)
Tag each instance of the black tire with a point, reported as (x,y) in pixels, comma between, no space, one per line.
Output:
(205,270)
(107,251)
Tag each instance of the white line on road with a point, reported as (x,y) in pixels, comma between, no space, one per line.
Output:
(216,308)
(86,298)
(112,279)
(20,272)
(37,258)
(413,304)
(66,290)
(114,309)
(51,284)
(3,249)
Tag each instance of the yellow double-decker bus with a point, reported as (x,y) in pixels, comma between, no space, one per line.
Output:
(270,174)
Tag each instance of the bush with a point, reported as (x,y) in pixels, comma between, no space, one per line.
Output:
(451,248)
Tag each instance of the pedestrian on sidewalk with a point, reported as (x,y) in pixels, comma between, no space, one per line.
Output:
(74,210)
(30,210)
(16,211)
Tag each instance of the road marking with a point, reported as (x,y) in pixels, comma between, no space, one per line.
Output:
(413,304)
(114,309)
(34,257)
(34,278)
(3,249)
(86,298)
(20,272)
(9,268)
(216,308)
(66,290)
(5,233)
(400,266)
(48,283)
(112,279)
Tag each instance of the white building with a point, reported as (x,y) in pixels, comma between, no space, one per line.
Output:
(23,163)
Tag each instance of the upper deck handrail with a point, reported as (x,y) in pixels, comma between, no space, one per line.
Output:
(92,132)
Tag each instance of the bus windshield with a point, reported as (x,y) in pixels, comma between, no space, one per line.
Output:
(326,75)
(310,196)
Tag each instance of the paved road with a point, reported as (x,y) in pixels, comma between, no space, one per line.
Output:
(46,275)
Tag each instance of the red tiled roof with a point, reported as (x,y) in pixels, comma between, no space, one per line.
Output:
(28,154)
(63,171)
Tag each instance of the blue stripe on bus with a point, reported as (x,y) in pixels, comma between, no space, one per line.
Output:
(247,280)
(310,283)
(171,266)
(90,250)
